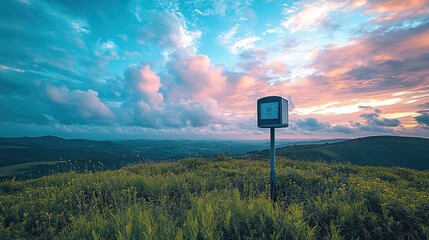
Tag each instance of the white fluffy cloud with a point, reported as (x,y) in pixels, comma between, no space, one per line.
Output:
(79,105)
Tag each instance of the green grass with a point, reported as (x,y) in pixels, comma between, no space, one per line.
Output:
(220,198)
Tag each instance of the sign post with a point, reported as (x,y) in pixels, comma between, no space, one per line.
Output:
(272,113)
(273,190)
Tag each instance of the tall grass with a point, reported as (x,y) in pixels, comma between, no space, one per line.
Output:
(219,198)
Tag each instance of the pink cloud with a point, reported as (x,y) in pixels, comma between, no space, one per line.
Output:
(240,99)
(366,71)
(178,103)
(374,50)
(144,85)
(415,44)
(277,66)
(149,80)
(148,84)
(199,77)
(392,10)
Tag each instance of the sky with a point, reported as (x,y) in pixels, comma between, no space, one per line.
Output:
(194,69)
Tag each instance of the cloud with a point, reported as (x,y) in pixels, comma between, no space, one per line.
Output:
(240,97)
(253,64)
(153,71)
(375,119)
(277,66)
(176,104)
(424,105)
(106,48)
(311,124)
(258,64)
(243,44)
(346,107)
(309,16)
(144,85)
(197,114)
(343,129)
(273,30)
(77,105)
(381,60)
(228,36)
(169,30)
(182,95)
(392,10)
(237,44)
(195,77)
(373,122)
(423,118)
(4,67)
(181,114)
(79,26)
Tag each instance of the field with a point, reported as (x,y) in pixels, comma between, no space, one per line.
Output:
(220,198)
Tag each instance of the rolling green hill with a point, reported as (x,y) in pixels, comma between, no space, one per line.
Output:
(220,198)
(407,152)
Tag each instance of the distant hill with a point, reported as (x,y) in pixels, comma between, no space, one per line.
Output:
(26,157)
(410,152)
(49,148)
(30,157)
(23,150)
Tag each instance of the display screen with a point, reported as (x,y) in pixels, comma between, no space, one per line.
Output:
(269,110)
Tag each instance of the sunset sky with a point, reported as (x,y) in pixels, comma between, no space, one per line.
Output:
(116,69)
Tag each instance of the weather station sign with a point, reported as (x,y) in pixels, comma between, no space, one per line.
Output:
(272,112)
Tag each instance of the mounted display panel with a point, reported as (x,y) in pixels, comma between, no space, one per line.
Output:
(272,112)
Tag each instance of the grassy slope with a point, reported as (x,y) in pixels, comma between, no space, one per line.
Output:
(219,198)
(374,151)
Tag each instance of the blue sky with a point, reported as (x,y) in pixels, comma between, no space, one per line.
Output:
(194,69)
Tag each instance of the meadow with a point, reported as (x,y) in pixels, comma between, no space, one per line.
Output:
(220,198)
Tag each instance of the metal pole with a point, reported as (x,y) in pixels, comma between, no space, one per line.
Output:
(273,192)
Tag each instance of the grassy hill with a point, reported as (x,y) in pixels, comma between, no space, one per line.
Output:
(407,152)
(220,198)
